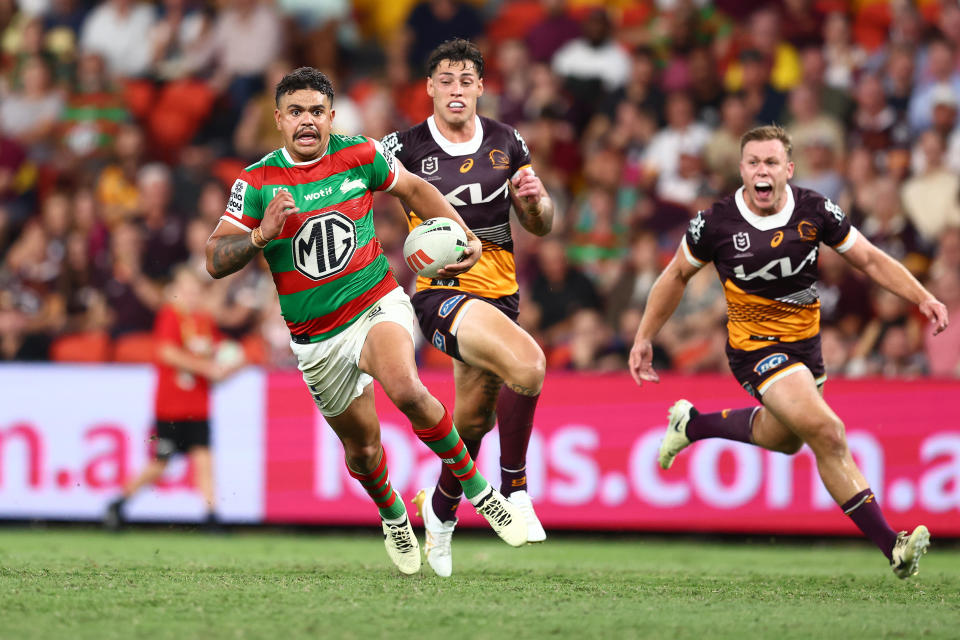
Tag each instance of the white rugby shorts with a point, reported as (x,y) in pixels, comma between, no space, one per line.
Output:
(331,367)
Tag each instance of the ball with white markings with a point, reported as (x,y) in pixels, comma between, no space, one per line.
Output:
(432,245)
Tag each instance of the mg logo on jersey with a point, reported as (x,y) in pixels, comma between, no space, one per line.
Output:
(475,194)
(324,245)
(741,241)
(429,166)
(772,361)
(769,270)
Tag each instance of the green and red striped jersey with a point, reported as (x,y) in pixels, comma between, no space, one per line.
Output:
(327,263)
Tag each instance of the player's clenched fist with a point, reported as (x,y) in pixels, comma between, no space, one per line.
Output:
(526,186)
(280,208)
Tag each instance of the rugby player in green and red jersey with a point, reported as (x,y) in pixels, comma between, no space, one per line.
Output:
(308,207)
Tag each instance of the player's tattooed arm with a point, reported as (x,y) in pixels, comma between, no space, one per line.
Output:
(229,253)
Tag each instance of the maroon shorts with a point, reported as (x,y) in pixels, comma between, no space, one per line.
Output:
(757,370)
(438,312)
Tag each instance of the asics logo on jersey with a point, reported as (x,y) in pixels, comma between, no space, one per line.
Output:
(474,194)
(324,245)
(350,185)
(768,271)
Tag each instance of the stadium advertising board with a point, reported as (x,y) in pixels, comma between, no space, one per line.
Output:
(70,436)
(592,461)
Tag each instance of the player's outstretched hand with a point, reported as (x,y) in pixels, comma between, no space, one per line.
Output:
(470,256)
(936,312)
(280,208)
(641,362)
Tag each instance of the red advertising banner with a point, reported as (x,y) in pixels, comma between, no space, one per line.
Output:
(592,460)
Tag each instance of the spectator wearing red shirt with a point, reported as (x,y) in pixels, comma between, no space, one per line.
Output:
(186,360)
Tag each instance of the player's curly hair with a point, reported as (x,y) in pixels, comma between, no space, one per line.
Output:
(456,50)
(305,78)
(767,132)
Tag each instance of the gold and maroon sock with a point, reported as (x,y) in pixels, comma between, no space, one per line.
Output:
(446,497)
(729,424)
(378,487)
(513,480)
(866,514)
(515,421)
(443,440)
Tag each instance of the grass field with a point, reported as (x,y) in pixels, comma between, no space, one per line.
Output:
(75,583)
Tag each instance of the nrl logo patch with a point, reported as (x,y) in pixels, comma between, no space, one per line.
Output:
(741,241)
(429,166)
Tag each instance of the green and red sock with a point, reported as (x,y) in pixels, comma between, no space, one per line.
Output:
(377,485)
(443,440)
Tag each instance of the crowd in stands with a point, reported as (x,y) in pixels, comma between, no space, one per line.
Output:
(124,123)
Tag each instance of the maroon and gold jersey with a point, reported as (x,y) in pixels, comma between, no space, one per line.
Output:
(473,177)
(768,264)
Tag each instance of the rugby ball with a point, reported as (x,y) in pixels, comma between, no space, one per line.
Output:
(432,245)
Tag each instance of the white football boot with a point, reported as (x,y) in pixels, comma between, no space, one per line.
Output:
(504,517)
(535,532)
(402,545)
(675,438)
(907,550)
(436,544)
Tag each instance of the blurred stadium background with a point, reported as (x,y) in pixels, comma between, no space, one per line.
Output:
(123,125)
